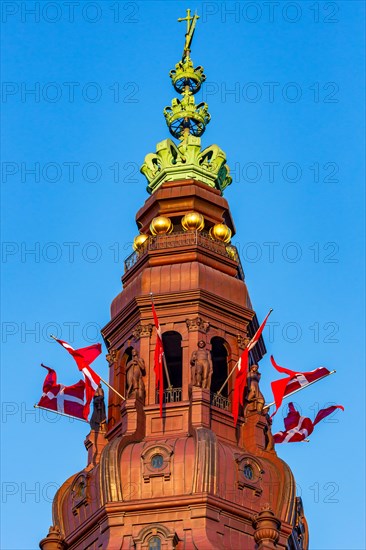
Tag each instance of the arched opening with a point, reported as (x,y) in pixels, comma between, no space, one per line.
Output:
(172,344)
(219,355)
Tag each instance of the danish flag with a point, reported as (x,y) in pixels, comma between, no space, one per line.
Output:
(70,400)
(83,357)
(158,359)
(242,371)
(294,381)
(298,428)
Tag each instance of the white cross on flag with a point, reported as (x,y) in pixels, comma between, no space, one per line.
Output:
(83,357)
(297,427)
(294,381)
(70,400)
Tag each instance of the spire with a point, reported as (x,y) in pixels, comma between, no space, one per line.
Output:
(184,117)
(186,122)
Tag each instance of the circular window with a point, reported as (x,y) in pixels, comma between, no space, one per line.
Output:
(157,461)
(248,471)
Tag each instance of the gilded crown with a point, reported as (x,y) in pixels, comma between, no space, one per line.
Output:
(185,75)
(185,114)
(186,161)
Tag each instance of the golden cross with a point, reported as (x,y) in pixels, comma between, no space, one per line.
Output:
(188,19)
(191,25)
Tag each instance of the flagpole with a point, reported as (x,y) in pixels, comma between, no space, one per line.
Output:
(101,379)
(226,381)
(164,359)
(60,413)
(170,387)
(299,389)
(112,388)
(236,364)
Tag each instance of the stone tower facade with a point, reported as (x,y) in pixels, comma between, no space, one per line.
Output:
(189,479)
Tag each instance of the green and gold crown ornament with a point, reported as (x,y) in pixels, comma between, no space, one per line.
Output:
(186,122)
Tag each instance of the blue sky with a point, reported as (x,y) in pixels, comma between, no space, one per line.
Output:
(284,88)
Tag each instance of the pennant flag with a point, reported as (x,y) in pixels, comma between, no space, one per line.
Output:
(240,383)
(83,357)
(298,428)
(242,371)
(293,382)
(158,359)
(70,400)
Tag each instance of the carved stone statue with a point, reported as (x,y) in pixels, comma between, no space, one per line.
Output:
(98,418)
(201,367)
(253,398)
(268,437)
(135,370)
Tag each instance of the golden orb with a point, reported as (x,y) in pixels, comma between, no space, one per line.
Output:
(138,242)
(193,221)
(220,232)
(231,252)
(161,226)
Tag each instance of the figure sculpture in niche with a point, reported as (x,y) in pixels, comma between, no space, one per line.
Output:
(201,367)
(98,418)
(135,370)
(268,437)
(253,398)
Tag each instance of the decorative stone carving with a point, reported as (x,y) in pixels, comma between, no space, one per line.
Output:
(301,528)
(156,462)
(135,370)
(53,541)
(79,493)
(168,538)
(142,331)
(266,527)
(201,367)
(250,474)
(187,160)
(197,323)
(243,341)
(268,437)
(98,418)
(112,356)
(253,398)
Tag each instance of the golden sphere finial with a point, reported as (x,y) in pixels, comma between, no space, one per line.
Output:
(220,232)
(193,221)
(139,241)
(161,226)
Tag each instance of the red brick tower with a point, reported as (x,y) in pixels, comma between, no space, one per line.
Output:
(191,479)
